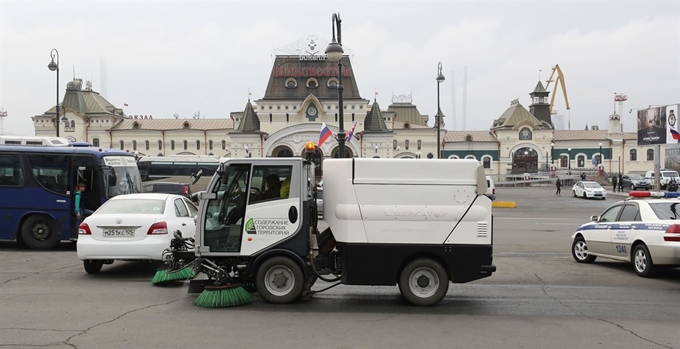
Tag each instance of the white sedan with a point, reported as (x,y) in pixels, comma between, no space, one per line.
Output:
(644,232)
(133,227)
(587,189)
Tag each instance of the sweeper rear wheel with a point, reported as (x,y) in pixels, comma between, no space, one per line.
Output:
(279,280)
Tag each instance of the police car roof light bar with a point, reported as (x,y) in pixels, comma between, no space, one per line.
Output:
(655,194)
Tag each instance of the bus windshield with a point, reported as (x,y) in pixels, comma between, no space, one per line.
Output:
(127,176)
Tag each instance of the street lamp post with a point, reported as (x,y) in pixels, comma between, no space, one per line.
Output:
(334,53)
(440,79)
(552,153)
(600,160)
(569,161)
(619,163)
(526,162)
(55,66)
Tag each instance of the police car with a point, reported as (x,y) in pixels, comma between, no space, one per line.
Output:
(644,230)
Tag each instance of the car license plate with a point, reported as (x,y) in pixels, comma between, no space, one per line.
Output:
(118,232)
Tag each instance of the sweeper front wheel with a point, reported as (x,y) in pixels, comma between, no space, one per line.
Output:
(279,280)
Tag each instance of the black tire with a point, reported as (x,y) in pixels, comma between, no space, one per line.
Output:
(93,267)
(574,191)
(579,250)
(39,233)
(279,280)
(642,261)
(584,195)
(415,280)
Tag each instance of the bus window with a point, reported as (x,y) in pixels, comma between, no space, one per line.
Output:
(10,171)
(51,171)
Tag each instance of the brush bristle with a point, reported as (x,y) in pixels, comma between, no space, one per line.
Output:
(165,275)
(223,298)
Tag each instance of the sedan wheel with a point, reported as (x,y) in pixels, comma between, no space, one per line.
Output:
(574,191)
(642,261)
(632,187)
(579,250)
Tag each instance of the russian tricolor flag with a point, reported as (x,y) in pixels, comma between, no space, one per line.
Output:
(676,135)
(325,134)
(351,132)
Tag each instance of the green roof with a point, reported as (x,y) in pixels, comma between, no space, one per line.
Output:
(250,122)
(374,121)
(516,114)
(407,113)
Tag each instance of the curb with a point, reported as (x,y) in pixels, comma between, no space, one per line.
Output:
(503,204)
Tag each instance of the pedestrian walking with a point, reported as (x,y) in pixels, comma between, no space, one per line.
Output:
(620,183)
(558,183)
(615,182)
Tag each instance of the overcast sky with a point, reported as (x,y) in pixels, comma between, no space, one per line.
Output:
(167,57)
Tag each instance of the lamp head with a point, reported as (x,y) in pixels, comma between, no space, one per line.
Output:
(334,51)
(53,66)
(440,76)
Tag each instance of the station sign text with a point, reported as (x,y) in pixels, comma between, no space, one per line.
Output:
(304,72)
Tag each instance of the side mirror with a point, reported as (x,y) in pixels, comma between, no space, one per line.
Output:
(196,176)
(594,218)
(113,180)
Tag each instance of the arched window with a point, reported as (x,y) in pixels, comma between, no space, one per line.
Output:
(186,144)
(633,155)
(224,145)
(650,154)
(420,144)
(122,145)
(394,144)
(146,145)
(95,142)
(210,144)
(134,145)
(172,145)
(73,123)
(580,161)
(198,144)
(406,144)
(486,162)
(160,145)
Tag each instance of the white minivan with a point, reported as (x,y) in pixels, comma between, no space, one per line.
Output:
(666,177)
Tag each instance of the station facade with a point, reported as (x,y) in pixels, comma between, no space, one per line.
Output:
(301,95)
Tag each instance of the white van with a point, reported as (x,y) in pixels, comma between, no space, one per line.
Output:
(666,177)
(491,189)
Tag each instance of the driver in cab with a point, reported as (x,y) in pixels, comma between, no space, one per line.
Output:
(273,190)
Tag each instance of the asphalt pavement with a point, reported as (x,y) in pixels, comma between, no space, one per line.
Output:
(539,298)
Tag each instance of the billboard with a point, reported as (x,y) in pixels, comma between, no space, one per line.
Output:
(672,158)
(652,126)
(672,133)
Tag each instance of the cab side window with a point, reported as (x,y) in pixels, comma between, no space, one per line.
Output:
(267,182)
(611,214)
(630,213)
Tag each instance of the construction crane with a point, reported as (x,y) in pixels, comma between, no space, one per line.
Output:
(560,79)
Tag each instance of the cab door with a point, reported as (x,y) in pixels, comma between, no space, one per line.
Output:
(274,210)
(599,237)
(626,229)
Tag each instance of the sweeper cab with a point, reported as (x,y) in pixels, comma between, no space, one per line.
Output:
(418,224)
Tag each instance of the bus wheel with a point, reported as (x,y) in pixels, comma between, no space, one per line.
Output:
(38,233)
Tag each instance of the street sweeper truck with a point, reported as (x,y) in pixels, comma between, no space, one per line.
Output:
(418,224)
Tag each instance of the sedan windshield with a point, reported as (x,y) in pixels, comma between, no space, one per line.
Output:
(592,185)
(135,206)
(636,177)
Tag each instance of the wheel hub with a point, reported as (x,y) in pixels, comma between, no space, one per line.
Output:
(40,231)
(280,280)
(423,281)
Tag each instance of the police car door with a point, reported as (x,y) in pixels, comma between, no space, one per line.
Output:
(623,233)
(274,210)
(600,235)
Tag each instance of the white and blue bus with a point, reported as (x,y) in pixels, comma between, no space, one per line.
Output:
(37,188)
